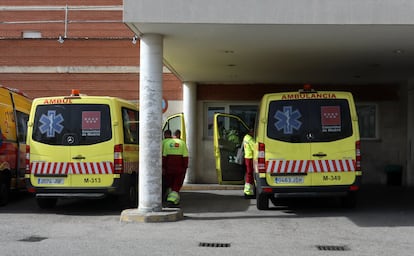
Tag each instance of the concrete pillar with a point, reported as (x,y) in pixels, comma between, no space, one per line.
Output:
(150,125)
(190,113)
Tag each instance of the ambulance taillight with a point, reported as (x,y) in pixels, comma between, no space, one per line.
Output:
(261,162)
(358,155)
(27,161)
(118,159)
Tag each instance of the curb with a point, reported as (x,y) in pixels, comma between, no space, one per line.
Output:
(166,215)
(188,187)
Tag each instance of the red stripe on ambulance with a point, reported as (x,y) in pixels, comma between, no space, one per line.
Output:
(304,166)
(59,168)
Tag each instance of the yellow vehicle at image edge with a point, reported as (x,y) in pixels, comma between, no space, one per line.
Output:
(14,113)
(306,144)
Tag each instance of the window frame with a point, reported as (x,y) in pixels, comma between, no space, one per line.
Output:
(376,122)
(226,109)
(127,126)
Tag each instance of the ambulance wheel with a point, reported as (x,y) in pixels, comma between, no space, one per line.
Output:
(130,198)
(262,201)
(46,203)
(350,200)
(4,192)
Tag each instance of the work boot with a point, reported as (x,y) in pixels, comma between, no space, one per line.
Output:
(173,198)
(166,193)
(248,189)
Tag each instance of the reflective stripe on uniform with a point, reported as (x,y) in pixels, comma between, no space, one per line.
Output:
(173,197)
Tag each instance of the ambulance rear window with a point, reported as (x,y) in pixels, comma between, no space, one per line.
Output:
(313,120)
(74,124)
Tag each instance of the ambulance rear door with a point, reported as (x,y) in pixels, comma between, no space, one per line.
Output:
(229,131)
(286,142)
(332,142)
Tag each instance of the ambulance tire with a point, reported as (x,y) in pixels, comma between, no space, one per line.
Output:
(262,201)
(46,203)
(350,200)
(130,198)
(4,192)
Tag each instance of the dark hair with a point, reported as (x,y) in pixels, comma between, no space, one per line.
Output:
(167,133)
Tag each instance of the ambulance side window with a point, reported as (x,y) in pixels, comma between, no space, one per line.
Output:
(131,126)
(22,119)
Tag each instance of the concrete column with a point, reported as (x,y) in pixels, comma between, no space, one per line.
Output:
(150,125)
(190,113)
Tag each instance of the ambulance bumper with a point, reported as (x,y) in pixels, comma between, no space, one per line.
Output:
(306,191)
(118,187)
(67,194)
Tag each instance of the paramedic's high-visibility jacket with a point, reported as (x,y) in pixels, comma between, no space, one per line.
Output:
(174,164)
(174,155)
(248,144)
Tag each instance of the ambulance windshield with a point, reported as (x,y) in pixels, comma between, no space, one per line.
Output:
(74,124)
(314,120)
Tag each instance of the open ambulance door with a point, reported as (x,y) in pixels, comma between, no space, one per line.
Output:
(173,123)
(229,131)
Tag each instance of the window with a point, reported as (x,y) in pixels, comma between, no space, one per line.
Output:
(22,119)
(368,121)
(247,112)
(298,121)
(210,119)
(72,124)
(131,126)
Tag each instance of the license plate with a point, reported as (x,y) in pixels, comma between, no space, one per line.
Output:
(50,181)
(289,179)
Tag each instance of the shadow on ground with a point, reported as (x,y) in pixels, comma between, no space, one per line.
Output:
(378,205)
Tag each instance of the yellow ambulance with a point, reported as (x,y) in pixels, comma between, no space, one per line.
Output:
(307,144)
(82,146)
(14,113)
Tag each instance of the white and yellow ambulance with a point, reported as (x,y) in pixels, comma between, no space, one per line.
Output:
(82,146)
(14,113)
(307,144)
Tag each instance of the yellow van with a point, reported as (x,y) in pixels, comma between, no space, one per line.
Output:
(14,113)
(82,147)
(307,144)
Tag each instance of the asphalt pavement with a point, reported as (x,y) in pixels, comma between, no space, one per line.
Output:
(217,221)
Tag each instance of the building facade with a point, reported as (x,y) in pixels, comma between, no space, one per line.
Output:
(50,47)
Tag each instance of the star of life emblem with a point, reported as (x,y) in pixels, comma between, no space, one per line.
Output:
(51,123)
(288,120)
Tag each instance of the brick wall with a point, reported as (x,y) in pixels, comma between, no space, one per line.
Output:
(97,56)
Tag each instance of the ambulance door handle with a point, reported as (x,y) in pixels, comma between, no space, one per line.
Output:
(320,155)
(78,157)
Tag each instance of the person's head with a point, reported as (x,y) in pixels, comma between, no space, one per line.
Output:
(251,131)
(167,134)
(177,134)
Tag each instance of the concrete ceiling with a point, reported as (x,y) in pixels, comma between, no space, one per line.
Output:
(287,54)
